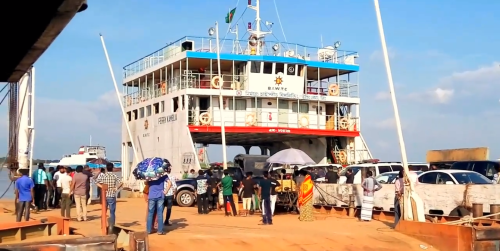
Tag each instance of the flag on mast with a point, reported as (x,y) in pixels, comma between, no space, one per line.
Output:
(230,15)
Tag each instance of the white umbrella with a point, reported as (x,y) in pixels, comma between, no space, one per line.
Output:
(291,156)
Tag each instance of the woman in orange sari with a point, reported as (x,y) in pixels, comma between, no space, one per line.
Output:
(305,202)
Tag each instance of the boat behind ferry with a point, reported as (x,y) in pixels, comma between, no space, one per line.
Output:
(83,157)
(276,95)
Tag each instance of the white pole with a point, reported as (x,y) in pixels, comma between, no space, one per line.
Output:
(221,105)
(32,118)
(391,87)
(124,115)
(90,140)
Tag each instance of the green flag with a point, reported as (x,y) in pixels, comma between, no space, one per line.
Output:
(230,15)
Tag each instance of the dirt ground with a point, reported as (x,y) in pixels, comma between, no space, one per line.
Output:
(191,231)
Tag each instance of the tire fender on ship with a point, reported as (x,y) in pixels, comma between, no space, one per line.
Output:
(304,121)
(216,83)
(343,123)
(333,90)
(250,119)
(205,118)
(342,156)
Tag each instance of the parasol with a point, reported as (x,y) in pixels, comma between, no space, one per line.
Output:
(291,156)
(151,168)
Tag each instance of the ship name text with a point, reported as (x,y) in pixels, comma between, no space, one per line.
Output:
(167,119)
(285,95)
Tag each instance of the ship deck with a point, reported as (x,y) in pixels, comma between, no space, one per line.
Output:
(216,232)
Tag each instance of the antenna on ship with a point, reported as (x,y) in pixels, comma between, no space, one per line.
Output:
(256,35)
(236,44)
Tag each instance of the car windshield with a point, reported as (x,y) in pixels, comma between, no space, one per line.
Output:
(386,178)
(354,169)
(473,178)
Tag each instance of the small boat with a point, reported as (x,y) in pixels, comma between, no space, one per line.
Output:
(85,154)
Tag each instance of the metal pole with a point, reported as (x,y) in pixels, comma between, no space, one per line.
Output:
(32,118)
(391,89)
(119,99)
(221,105)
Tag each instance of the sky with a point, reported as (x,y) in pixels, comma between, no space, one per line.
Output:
(443,55)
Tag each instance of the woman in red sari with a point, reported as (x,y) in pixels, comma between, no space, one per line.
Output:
(305,202)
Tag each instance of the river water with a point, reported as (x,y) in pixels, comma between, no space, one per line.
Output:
(9,191)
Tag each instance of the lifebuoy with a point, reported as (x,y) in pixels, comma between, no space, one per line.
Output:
(250,120)
(216,82)
(304,122)
(205,118)
(129,101)
(333,90)
(252,41)
(163,88)
(343,124)
(342,156)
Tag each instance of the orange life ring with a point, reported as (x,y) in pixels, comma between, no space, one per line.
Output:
(205,118)
(250,120)
(342,156)
(304,121)
(333,90)
(216,83)
(343,123)
(252,39)
(163,88)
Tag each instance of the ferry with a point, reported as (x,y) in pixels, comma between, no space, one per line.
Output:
(276,95)
(85,154)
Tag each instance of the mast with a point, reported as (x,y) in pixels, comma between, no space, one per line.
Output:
(25,124)
(259,35)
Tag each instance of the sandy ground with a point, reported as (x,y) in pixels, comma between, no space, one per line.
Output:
(215,231)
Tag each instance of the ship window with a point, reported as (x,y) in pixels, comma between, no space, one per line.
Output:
(135,114)
(290,70)
(279,68)
(156,108)
(239,104)
(141,112)
(268,68)
(129,116)
(254,67)
(148,110)
(299,70)
(175,104)
(252,103)
(303,107)
(162,106)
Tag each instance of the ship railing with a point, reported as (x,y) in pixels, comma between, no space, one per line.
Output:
(275,119)
(345,88)
(242,47)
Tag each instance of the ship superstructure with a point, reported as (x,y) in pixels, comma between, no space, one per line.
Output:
(275,96)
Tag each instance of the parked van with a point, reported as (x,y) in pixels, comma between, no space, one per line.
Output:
(375,166)
(487,168)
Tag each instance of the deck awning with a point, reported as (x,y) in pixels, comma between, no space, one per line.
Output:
(28,29)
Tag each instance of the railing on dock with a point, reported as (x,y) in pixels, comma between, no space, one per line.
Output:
(240,47)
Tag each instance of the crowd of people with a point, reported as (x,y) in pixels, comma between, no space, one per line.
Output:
(61,188)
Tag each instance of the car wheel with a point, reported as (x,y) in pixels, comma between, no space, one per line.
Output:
(185,198)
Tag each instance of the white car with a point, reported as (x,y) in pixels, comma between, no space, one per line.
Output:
(376,167)
(453,177)
(391,177)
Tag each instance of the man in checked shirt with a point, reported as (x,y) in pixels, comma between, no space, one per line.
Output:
(114,183)
(170,190)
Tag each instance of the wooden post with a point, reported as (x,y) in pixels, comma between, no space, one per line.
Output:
(351,205)
(104,210)
(477,210)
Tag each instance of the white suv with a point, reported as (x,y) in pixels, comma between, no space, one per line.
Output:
(376,168)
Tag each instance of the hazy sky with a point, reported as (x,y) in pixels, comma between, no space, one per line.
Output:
(443,56)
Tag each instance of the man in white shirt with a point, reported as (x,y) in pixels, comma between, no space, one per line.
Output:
(65,181)
(170,190)
(57,196)
(399,186)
